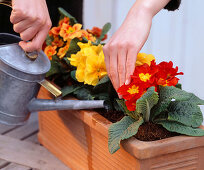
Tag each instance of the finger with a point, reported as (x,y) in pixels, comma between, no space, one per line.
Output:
(22,26)
(29,33)
(107,58)
(36,43)
(114,67)
(122,55)
(17,16)
(130,64)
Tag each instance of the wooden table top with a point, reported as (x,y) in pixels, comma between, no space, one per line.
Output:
(20,149)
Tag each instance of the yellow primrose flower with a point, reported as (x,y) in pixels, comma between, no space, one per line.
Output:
(144,58)
(95,68)
(84,45)
(90,63)
(80,72)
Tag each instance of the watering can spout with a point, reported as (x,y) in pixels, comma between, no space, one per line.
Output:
(45,105)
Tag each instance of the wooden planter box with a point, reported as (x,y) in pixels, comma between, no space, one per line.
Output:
(80,140)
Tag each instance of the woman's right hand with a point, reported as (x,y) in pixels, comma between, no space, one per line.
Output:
(30,18)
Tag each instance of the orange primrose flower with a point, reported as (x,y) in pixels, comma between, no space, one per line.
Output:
(64,20)
(70,32)
(54,31)
(97,32)
(62,51)
(88,36)
(50,51)
(57,42)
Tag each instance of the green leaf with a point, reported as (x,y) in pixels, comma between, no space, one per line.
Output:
(104,80)
(105,30)
(182,129)
(102,83)
(73,47)
(169,93)
(117,106)
(83,94)
(166,94)
(69,89)
(49,40)
(133,114)
(186,113)
(195,99)
(73,75)
(124,129)
(54,69)
(65,13)
(145,103)
(179,86)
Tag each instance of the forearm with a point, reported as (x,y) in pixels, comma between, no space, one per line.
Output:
(149,7)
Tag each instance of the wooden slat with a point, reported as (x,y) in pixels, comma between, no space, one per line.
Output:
(26,130)
(33,138)
(14,166)
(28,154)
(3,163)
(6,128)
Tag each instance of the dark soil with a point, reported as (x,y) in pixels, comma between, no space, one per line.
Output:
(112,116)
(151,132)
(146,132)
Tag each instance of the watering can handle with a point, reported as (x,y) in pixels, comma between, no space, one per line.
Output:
(51,88)
(30,55)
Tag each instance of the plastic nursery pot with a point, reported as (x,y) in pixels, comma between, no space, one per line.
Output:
(80,140)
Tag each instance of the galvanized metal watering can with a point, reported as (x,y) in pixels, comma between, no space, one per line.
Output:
(20,80)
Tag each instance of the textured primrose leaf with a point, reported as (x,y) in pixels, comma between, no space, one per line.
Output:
(133,114)
(73,47)
(69,89)
(102,84)
(49,40)
(73,75)
(179,86)
(195,99)
(66,14)
(84,94)
(54,69)
(105,30)
(186,113)
(124,129)
(145,103)
(182,129)
(166,94)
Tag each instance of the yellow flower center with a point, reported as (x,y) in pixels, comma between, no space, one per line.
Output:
(144,77)
(70,30)
(134,89)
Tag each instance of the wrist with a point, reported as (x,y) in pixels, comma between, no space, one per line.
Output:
(149,7)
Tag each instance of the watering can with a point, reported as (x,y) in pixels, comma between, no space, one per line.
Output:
(21,75)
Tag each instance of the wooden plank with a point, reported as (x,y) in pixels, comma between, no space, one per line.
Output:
(3,163)
(33,138)
(28,129)
(13,166)
(6,128)
(28,154)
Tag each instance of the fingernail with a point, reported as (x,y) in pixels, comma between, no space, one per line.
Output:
(127,82)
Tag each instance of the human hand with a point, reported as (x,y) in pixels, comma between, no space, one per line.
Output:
(30,18)
(122,49)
